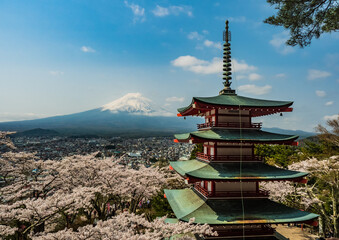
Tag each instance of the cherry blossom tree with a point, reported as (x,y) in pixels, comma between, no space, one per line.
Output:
(279,191)
(5,142)
(39,198)
(319,195)
(131,226)
(323,185)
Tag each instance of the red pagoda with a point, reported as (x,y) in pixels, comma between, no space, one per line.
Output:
(226,176)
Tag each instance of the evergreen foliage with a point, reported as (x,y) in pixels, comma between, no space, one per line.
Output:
(306,19)
(160,206)
(197,148)
(281,155)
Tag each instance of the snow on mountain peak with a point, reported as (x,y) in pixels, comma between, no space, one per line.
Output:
(131,102)
(135,103)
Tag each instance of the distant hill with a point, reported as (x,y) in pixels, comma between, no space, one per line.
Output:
(300,133)
(313,139)
(105,123)
(35,132)
(130,116)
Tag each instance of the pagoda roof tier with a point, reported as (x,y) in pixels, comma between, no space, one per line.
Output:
(236,135)
(234,171)
(258,107)
(187,204)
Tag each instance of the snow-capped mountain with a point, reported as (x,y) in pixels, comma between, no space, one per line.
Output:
(132,115)
(135,103)
(131,102)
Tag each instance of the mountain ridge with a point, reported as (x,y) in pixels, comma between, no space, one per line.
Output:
(302,134)
(130,115)
(100,122)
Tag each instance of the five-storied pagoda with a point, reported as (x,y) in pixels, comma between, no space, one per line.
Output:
(226,176)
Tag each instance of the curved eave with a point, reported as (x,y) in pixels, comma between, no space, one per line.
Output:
(258,107)
(186,204)
(236,135)
(195,169)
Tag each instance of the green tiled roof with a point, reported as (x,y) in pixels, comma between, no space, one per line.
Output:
(171,220)
(231,171)
(177,236)
(235,100)
(237,135)
(186,204)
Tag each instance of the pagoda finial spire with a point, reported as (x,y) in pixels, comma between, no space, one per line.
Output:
(227,63)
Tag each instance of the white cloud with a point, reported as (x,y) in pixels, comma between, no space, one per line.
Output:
(251,77)
(138,12)
(331,117)
(209,43)
(7,116)
(87,49)
(239,77)
(255,90)
(175,99)
(214,66)
(160,11)
(320,93)
(187,61)
(194,35)
(176,10)
(279,42)
(280,75)
(315,74)
(329,103)
(172,10)
(206,42)
(56,73)
(241,66)
(254,77)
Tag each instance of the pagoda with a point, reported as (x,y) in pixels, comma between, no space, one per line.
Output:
(225,178)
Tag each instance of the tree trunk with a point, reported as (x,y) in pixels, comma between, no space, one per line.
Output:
(131,206)
(321,226)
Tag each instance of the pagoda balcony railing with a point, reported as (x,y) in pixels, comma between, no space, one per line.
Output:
(230,125)
(230,194)
(229,158)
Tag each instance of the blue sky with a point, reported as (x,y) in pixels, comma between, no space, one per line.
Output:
(59,57)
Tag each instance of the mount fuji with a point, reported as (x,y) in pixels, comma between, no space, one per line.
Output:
(135,103)
(130,115)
